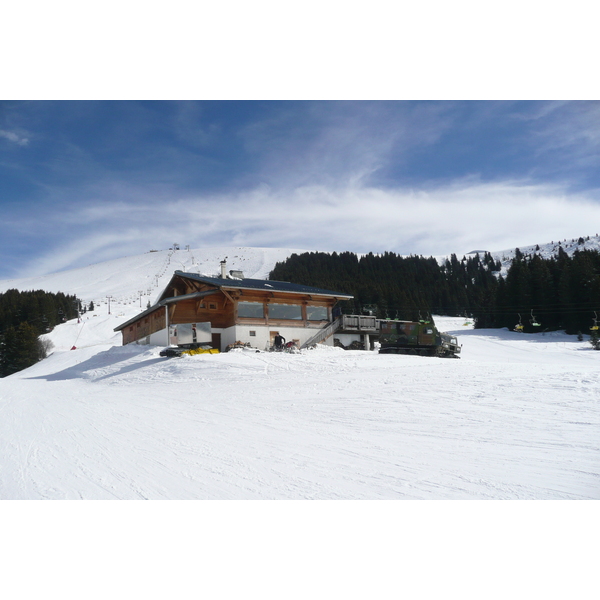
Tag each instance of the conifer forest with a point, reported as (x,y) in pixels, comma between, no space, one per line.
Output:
(24,316)
(540,294)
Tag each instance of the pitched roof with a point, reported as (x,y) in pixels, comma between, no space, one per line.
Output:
(263,285)
(235,284)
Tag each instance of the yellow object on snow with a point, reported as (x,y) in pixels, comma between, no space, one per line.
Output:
(200,351)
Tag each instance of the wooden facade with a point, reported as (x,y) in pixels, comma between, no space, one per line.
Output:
(144,326)
(234,308)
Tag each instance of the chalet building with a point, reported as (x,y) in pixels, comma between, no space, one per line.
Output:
(227,309)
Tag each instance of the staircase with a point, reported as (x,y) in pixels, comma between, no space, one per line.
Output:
(323,333)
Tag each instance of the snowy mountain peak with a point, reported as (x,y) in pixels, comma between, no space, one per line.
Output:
(549,250)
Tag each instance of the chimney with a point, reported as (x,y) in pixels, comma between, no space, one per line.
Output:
(224,269)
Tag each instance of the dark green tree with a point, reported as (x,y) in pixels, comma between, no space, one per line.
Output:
(20,348)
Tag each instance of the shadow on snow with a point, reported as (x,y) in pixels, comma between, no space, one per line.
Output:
(101,361)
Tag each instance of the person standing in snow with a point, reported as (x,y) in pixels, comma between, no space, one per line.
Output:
(279,342)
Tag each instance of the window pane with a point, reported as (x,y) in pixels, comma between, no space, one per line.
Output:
(316,313)
(251,310)
(285,311)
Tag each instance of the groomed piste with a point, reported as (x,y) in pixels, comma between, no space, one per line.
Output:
(516,418)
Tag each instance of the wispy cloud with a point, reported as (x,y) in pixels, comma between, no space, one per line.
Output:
(11,136)
(570,130)
(458,217)
(341,142)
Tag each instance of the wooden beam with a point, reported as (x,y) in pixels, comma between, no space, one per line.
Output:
(228,296)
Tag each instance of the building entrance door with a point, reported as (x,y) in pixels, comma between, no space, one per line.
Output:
(216,341)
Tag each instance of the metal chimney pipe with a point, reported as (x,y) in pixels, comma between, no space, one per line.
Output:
(224,269)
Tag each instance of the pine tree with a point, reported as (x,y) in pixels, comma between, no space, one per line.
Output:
(20,348)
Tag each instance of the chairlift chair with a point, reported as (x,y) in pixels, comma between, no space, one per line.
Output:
(519,325)
(534,321)
(594,327)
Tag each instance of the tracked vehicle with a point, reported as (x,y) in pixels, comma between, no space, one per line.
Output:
(420,338)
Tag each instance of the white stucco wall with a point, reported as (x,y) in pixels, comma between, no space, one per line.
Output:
(241,333)
(348,338)
(262,339)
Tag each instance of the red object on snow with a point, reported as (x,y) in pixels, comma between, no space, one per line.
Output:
(73,348)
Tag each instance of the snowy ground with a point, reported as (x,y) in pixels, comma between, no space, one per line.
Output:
(518,417)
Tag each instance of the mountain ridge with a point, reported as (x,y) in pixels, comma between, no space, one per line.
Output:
(138,279)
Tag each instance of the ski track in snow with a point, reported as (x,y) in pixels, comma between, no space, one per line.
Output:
(516,418)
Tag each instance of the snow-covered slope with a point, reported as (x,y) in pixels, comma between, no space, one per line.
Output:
(517,417)
(145,275)
(548,250)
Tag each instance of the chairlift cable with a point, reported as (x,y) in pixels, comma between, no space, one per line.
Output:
(80,330)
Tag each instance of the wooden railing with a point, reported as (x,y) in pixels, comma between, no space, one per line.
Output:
(364,323)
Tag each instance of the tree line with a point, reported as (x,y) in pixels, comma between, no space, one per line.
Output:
(558,293)
(541,294)
(24,316)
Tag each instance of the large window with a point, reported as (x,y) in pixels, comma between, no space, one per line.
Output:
(251,310)
(316,313)
(285,311)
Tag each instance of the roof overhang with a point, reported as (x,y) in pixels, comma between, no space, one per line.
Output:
(165,302)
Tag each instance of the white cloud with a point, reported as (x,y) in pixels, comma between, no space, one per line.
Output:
(13,137)
(454,218)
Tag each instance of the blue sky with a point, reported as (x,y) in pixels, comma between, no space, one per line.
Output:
(86,181)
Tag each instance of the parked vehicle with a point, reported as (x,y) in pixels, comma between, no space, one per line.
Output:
(416,337)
